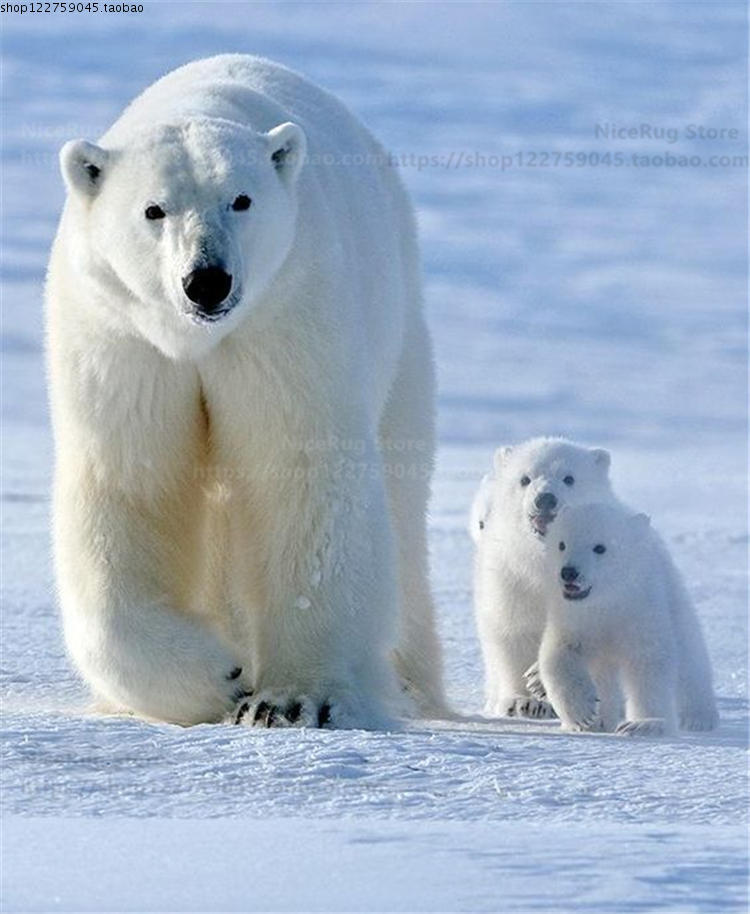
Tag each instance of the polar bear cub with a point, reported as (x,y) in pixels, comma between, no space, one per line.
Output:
(512,511)
(619,619)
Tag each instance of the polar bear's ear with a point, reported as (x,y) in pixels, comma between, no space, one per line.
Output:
(601,457)
(82,165)
(501,457)
(287,145)
(640,523)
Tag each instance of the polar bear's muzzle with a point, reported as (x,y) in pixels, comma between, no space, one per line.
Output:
(209,288)
(545,511)
(571,584)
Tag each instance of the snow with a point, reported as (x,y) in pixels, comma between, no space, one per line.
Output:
(267,865)
(602,303)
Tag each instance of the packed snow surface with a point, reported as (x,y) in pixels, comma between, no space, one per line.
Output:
(602,302)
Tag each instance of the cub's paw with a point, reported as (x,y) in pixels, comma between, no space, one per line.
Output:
(532,707)
(590,725)
(534,682)
(647,726)
(698,721)
(275,709)
(518,706)
(581,710)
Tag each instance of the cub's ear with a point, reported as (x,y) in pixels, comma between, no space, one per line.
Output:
(601,457)
(640,523)
(287,145)
(83,165)
(501,457)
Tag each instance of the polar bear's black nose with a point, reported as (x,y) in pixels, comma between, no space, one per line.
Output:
(207,287)
(569,574)
(545,501)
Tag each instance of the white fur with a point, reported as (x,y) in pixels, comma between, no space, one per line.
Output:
(249,492)
(480,508)
(508,576)
(633,631)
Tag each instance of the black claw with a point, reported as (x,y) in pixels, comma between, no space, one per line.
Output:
(242,712)
(272,716)
(260,717)
(293,712)
(235,674)
(324,714)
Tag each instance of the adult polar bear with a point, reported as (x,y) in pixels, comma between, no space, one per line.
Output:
(242,391)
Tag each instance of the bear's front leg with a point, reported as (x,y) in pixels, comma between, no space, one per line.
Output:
(118,559)
(569,686)
(649,682)
(505,658)
(322,642)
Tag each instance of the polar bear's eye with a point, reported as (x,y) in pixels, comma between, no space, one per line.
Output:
(568,480)
(561,546)
(154,212)
(241,203)
(525,480)
(599,549)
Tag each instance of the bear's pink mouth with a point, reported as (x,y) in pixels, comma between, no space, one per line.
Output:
(540,522)
(574,592)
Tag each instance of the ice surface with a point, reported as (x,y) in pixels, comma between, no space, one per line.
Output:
(606,304)
(357,865)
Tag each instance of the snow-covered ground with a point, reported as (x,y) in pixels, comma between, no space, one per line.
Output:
(605,303)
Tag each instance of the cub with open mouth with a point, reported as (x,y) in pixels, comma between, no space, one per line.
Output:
(620,627)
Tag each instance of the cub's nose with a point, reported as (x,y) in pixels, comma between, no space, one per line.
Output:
(545,501)
(569,573)
(207,287)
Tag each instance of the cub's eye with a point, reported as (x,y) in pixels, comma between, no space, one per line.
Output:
(599,549)
(525,481)
(568,480)
(561,547)
(241,203)
(154,212)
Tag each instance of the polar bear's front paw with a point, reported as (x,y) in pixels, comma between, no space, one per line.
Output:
(582,711)
(518,706)
(699,720)
(534,682)
(532,707)
(647,726)
(274,709)
(591,725)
